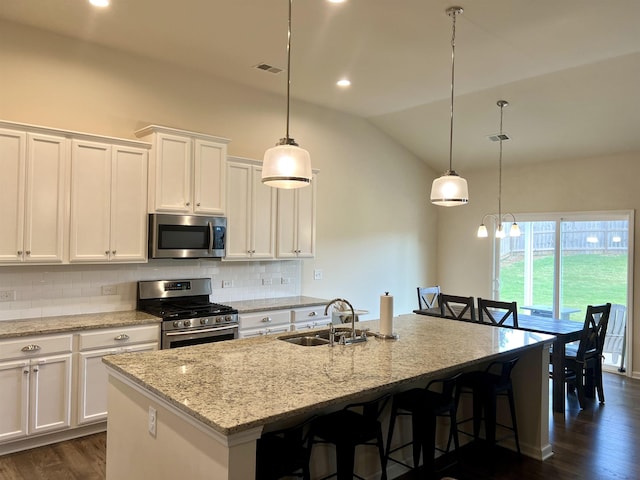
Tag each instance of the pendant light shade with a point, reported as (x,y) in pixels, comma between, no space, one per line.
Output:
(287,165)
(451,189)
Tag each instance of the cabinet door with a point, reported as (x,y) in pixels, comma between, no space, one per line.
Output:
(50,394)
(287,235)
(128,240)
(14,385)
(12,183)
(263,206)
(92,385)
(172,173)
(306,220)
(90,201)
(209,177)
(238,211)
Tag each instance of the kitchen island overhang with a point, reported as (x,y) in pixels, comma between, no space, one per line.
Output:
(213,401)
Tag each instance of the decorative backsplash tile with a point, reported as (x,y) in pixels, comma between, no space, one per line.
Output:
(31,291)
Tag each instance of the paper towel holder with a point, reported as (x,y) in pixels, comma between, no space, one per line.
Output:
(384,336)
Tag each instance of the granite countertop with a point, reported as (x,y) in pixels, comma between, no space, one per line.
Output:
(241,384)
(247,306)
(71,323)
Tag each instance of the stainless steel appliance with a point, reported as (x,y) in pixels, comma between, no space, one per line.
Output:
(186,236)
(188,315)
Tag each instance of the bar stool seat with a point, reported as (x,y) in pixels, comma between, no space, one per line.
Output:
(425,405)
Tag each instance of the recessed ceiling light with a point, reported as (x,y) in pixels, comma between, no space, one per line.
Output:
(344,82)
(337,1)
(99,3)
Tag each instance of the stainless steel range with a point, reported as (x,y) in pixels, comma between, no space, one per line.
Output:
(188,315)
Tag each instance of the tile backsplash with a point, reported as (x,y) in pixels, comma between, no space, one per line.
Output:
(30,291)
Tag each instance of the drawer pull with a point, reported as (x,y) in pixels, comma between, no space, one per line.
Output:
(31,348)
(121,337)
(266,319)
(312,314)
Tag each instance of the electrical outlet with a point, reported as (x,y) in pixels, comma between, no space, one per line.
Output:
(153,417)
(109,289)
(285,280)
(317,274)
(7,295)
(227,283)
(267,281)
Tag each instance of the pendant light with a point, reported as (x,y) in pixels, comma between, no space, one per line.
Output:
(451,189)
(514,231)
(287,165)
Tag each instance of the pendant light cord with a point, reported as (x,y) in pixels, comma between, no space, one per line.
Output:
(288,69)
(453,12)
(502,105)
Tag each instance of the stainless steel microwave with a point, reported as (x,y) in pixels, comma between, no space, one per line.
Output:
(186,236)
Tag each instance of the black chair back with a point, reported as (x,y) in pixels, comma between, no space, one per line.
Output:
(457,307)
(428,297)
(498,313)
(593,332)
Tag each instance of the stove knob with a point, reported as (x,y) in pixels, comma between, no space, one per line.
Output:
(228,318)
(203,321)
(187,323)
(219,319)
(176,324)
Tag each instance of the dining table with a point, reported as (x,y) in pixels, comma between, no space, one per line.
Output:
(565,331)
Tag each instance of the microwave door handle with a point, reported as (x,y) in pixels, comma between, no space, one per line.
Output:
(210,237)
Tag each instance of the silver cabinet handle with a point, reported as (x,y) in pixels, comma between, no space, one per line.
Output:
(122,336)
(35,369)
(31,348)
(312,314)
(266,319)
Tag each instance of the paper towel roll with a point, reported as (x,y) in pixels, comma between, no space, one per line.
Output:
(386,314)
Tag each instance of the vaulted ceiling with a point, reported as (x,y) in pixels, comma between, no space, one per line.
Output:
(570,69)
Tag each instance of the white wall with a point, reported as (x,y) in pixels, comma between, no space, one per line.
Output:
(375,229)
(592,184)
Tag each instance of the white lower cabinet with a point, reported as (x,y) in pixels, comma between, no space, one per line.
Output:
(92,379)
(35,381)
(309,317)
(264,323)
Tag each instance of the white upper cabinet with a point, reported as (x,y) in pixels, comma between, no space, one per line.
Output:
(108,202)
(187,171)
(33,194)
(251,212)
(297,221)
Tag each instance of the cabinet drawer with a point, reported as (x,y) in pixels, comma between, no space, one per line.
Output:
(308,314)
(30,346)
(264,319)
(118,337)
(257,332)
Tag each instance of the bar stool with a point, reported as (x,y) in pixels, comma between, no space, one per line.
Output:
(425,405)
(356,424)
(486,386)
(284,453)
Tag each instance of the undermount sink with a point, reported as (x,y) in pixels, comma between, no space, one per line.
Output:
(315,338)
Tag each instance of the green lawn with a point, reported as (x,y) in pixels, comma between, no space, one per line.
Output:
(587,279)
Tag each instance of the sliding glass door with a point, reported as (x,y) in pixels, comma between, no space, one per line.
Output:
(563,262)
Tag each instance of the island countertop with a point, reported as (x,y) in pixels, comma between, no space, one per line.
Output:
(277,303)
(237,385)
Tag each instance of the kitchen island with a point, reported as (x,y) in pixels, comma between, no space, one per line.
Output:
(196,412)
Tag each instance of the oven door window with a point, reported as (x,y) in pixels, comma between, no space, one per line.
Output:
(175,237)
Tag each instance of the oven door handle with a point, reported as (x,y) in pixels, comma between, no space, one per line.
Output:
(210,237)
(207,330)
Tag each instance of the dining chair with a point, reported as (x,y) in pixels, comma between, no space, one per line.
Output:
(583,366)
(457,307)
(498,313)
(428,297)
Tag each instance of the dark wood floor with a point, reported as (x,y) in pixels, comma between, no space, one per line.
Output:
(598,443)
